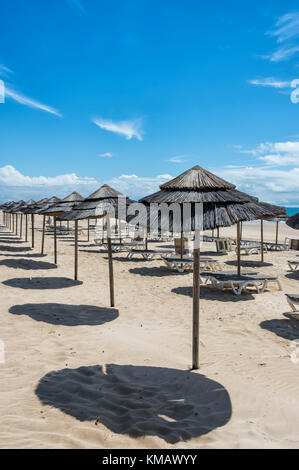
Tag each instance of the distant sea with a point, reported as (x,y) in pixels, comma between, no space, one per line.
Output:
(292,210)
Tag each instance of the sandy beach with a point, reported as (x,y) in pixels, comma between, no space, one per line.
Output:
(78,374)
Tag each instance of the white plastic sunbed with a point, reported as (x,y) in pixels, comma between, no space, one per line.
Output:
(293,264)
(239,283)
(181,264)
(146,254)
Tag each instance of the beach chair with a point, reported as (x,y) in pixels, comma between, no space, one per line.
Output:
(182,264)
(240,282)
(293,300)
(251,249)
(293,265)
(223,245)
(146,254)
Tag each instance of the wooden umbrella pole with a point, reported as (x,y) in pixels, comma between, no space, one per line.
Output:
(21,225)
(16,224)
(196,293)
(88,230)
(182,245)
(238,249)
(32,230)
(241,230)
(262,240)
(76,251)
(276,238)
(217,232)
(13,223)
(68,225)
(43,235)
(26,228)
(110,261)
(146,241)
(55,241)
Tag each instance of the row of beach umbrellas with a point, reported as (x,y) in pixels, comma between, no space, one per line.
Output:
(222,206)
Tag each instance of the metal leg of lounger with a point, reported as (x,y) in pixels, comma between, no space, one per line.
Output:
(292,305)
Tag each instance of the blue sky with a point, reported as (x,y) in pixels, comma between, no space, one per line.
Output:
(135,92)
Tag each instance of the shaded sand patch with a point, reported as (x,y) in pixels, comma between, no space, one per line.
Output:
(26,264)
(42,282)
(68,315)
(172,404)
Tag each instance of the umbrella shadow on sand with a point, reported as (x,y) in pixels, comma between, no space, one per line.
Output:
(67,315)
(174,405)
(41,282)
(11,240)
(25,255)
(293,275)
(249,263)
(14,248)
(287,328)
(209,293)
(26,264)
(156,271)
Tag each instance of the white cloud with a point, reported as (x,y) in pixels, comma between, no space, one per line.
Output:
(5,71)
(271,82)
(286,32)
(106,154)
(13,95)
(276,153)
(137,186)
(9,176)
(76,4)
(128,128)
(272,185)
(178,159)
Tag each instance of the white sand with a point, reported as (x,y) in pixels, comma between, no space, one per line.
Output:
(78,374)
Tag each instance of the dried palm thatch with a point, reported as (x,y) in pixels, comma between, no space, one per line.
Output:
(87,209)
(64,205)
(278,211)
(40,205)
(16,206)
(293,221)
(197,178)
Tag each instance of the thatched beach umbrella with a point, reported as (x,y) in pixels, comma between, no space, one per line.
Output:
(293,221)
(35,208)
(5,207)
(59,208)
(89,209)
(14,210)
(276,211)
(222,206)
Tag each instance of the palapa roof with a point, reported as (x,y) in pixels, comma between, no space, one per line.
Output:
(277,211)
(64,205)
(223,205)
(39,205)
(87,208)
(16,206)
(293,221)
(197,178)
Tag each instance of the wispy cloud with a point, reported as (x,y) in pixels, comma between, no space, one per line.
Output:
(128,128)
(5,71)
(19,98)
(286,33)
(11,93)
(178,159)
(106,155)
(76,4)
(270,82)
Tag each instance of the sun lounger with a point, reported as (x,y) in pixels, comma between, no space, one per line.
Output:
(181,264)
(146,254)
(293,264)
(239,283)
(293,300)
(250,249)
